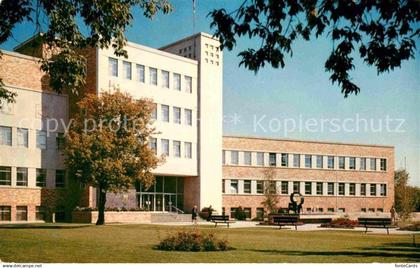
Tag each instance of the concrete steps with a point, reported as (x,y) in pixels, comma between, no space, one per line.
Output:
(170,217)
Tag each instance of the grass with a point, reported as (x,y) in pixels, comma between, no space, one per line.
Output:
(134,244)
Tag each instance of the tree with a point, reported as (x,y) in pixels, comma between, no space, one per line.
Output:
(271,198)
(104,22)
(404,194)
(383,32)
(107,144)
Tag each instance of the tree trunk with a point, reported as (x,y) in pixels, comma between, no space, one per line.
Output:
(101,207)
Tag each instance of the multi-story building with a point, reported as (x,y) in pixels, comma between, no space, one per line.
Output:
(184,79)
(333,177)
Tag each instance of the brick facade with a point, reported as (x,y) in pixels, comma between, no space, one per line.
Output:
(351,204)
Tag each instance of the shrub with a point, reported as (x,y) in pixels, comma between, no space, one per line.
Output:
(240,214)
(342,223)
(193,241)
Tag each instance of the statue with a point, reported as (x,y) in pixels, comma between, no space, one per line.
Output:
(296,202)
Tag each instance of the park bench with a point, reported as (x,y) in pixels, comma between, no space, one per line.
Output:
(284,219)
(223,219)
(375,223)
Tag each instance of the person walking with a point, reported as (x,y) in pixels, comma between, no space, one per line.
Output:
(393,214)
(194,215)
(210,212)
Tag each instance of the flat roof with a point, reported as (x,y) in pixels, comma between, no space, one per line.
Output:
(188,38)
(307,141)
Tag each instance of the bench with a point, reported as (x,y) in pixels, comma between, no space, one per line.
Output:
(284,219)
(375,223)
(224,219)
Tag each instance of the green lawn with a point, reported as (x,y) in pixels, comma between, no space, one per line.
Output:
(134,243)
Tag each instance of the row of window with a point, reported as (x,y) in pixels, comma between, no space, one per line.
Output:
(282,187)
(22,177)
(176,114)
(310,161)
(260,211)
(153,79)
(176,148)
(22,138)
(22,213)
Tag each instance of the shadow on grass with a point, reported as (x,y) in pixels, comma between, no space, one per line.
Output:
(43,226)
(405,251)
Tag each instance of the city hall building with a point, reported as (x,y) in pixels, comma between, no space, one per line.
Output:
(202,166)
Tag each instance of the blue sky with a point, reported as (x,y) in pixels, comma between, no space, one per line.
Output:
(301,91)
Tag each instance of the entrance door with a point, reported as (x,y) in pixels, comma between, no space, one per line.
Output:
(147,202)
(170,202)
(159,202)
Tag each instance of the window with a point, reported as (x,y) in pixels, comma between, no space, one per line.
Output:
(154,112)
(247,158)
(234,157)
(260,159)
(341,210)
(165,146)
(153,144)
(40,213)
(373,164)
(363,189)
(352,189)
(233,212)
(296,187)
(176,148)
(247,186)
(272,159)
(5,213)
(41,176)
(113,67)
(188,84)
(177,115)
(60,179)
(330,188)
(383,189)
(362,163)
(6,176)
(5,136)
(271,187)
(22,137)
(59,141)
(188,117)
(331,162)
(363,209)
(140,73)
(165,113)
(21,213)
(165,79)
(296,160)
(234,186)
(373,189)
(153,76)
(341,162)
(308,188)
(188,150)
(260,187)
(352,163)
(223,186)
(284,187)
(41,139)
(380,210)
(319,188)
(308,161)
(60,214)
(383,164)
(284,160)
(371,210)
(127,70)
(223,157)
(330,209)
(177,81)
(319,161)
(247,212)
(21,176)
(341,189)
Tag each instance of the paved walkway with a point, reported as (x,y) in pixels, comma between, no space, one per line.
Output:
(302,228)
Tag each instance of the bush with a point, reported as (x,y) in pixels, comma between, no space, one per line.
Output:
(193,241)
(342,223)
(240,214)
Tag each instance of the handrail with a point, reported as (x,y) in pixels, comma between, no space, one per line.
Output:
(177,209)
